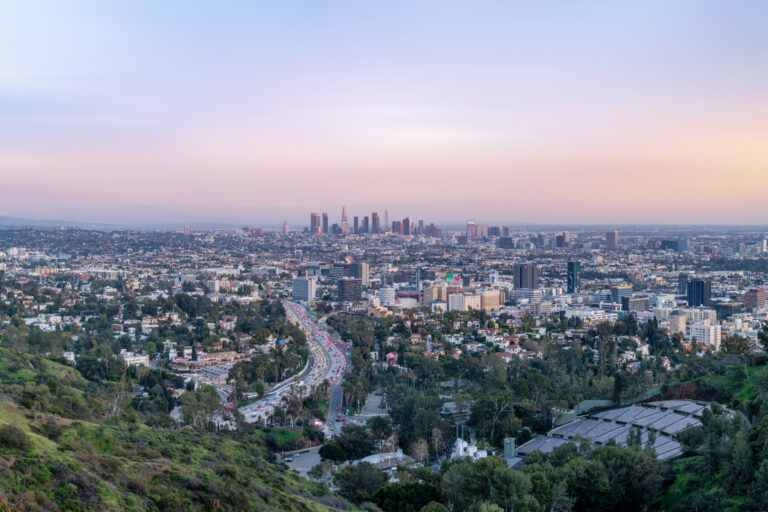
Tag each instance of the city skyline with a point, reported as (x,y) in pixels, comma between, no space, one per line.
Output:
(585,113)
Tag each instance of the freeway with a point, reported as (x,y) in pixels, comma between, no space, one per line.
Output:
(327,361)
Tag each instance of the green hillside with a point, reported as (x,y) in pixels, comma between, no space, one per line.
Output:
(61,448)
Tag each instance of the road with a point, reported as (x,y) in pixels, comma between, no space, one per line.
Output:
(327,361)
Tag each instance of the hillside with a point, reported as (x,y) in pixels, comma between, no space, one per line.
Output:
(59,451)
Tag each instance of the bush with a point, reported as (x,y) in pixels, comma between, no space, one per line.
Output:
(13,437)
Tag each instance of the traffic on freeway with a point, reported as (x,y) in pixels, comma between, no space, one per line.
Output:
(327,362)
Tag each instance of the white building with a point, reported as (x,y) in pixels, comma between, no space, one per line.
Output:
(464,301)
(387,296)
(132,359)
(304,288)
(705,334)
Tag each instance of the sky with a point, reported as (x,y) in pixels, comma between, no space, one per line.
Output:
(631,112)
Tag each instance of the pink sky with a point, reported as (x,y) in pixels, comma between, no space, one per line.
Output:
(595,113)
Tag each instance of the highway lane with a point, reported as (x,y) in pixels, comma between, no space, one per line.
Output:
(327,361)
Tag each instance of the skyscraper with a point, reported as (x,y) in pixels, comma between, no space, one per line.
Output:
(407,226)
(612,240)
(471,229)
(375,223)
(314,223)
(699,292)
(366,226)
(360,271)
(286,230)
(325,223)
(344,224)
(356,228)
(349,290)
(682,283)
(386,219)
(421,227)
(574,268)
(526,275)
(397,227)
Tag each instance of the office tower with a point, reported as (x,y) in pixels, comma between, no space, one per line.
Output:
(397,227)
(619,292)
(574,269)
(325,223)
(407,225)
(677,321)
(285,228)
(699,292)
(471,229)
(526,275)
(314,223)
(421,226)
(356,227)
(612,240)
(505,242)
(375,223)
(344,224)
(563,239)
(706,334)
(366,227)
(186,230)
(386,219)
(349,289)
(635,304)
(387,296)
(682,283)
(304,288)
(755,298)
(682,244)
(360,271)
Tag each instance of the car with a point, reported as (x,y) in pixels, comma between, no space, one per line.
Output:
(337,420)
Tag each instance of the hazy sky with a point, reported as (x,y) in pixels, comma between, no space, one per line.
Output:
(255,112)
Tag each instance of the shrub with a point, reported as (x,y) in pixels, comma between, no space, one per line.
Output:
(13,437)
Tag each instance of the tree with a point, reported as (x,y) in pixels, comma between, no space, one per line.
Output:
(419,450)
(358,483)
(198,407)
(321,471)
(332,450)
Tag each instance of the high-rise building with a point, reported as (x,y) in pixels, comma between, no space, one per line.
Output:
(471,230)
(397,227)
(387,296)
(186,230)
(325,223)
(755,298)
(677,322)
(314,223)
(526,275)
(574,269)
(407,226)
(304,288)
(356,227)
(360,271)
(635,304)
(375,223)
(286,230)
(619,292)
(706,334)
(506,242)
(682,283)
(344,223)
(699,292)
(421,226)
(366,227)
(386,219)
(612,240)
(349,289)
